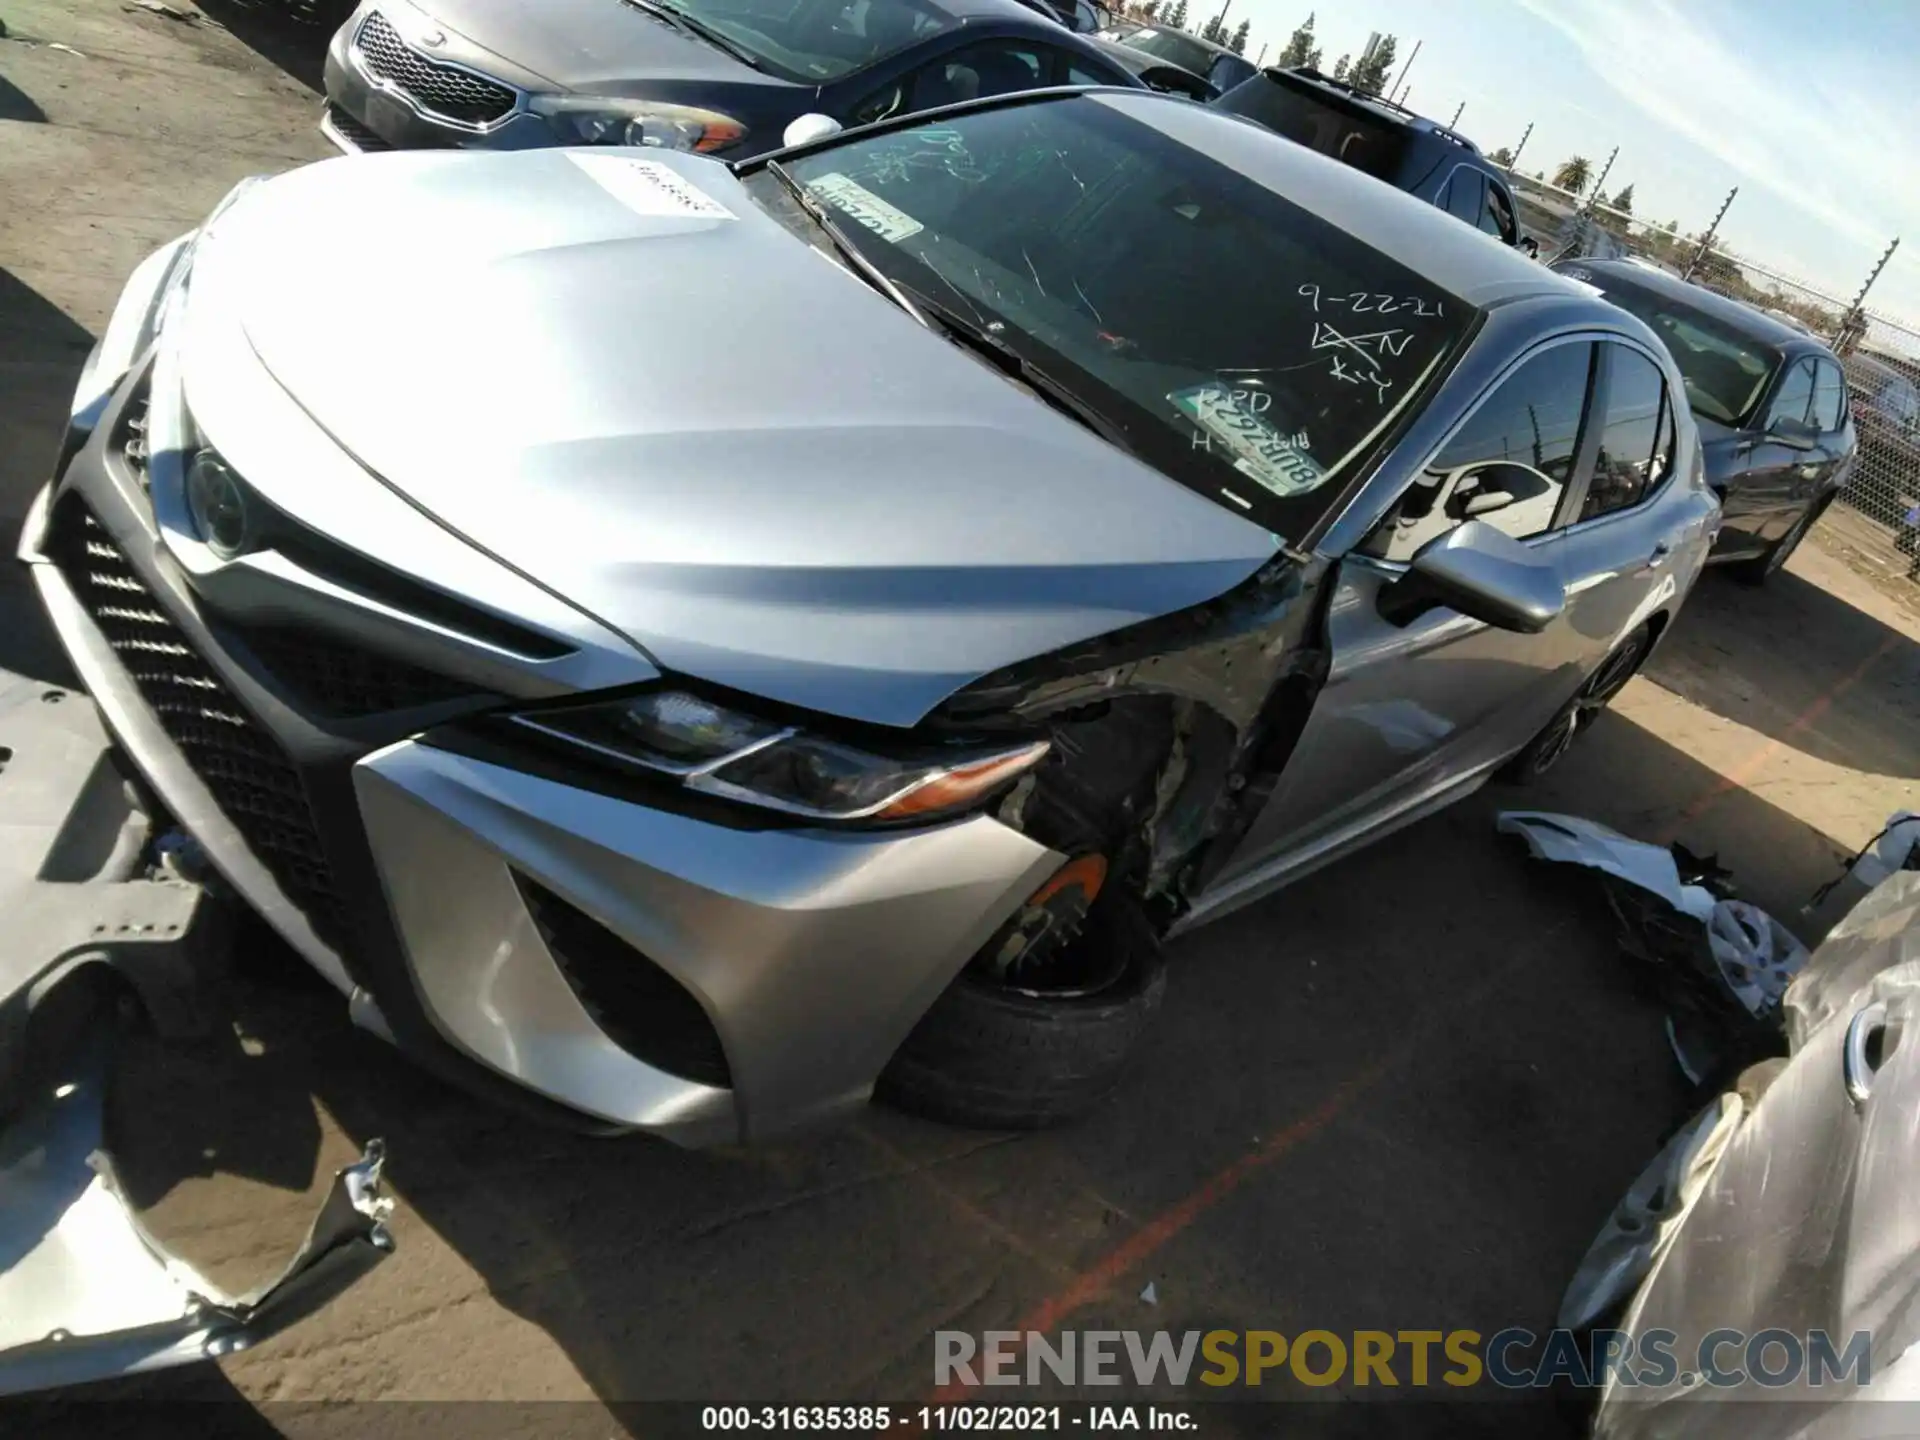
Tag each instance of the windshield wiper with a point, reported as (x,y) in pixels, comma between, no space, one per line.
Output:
(869,271)
(1011,363)
(693,25)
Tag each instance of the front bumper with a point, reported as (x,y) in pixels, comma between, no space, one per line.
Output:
(411,874)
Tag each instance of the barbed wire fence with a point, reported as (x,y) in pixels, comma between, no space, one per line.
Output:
(1875,524)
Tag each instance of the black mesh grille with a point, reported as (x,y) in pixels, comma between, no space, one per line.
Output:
(249,775)
(444,90)
(642,1008)
(353,132)
(345,682)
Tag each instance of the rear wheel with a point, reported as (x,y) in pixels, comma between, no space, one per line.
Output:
(1545,750)
(1041,1025)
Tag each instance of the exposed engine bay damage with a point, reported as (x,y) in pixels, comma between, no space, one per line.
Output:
(1168,736)
(105,931)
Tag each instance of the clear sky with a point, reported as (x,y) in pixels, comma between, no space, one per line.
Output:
(1812,109)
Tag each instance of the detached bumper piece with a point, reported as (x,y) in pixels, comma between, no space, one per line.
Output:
(99,935)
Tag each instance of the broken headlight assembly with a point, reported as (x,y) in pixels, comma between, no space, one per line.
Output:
(657,124)
(719,751)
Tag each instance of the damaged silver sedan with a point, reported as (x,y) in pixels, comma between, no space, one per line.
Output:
(685,646)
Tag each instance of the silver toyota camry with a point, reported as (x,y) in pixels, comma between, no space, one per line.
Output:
(684,646)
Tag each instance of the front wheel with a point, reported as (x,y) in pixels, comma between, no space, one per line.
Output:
(1004,1051)
(1544,751)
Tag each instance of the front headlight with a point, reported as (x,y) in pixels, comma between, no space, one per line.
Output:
(719,751)
(610,120)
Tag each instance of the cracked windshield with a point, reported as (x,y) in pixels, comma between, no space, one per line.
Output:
(1227,337)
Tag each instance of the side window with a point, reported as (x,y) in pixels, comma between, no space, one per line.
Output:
(1796,394)
(1633,444)
(1497,218)
(1463,197)
(1077,70)
(993,67)
(1829,397)
(1530,428)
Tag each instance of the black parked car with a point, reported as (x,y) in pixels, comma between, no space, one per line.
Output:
(717,76)
(1215,66)
(1083,17)
(1770,400)
(1388,141)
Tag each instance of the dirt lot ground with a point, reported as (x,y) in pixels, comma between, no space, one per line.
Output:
(1402,1095)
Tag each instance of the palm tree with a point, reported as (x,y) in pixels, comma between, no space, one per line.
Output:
(1574,174)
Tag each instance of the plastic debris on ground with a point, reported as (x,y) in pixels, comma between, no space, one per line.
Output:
(1719,965)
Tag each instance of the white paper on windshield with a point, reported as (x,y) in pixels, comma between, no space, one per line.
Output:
(650,187)
(862,204)
(1227,418)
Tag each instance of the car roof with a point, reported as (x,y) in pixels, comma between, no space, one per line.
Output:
(1734,314)
(1134,26)
(1453,255)
(964,10)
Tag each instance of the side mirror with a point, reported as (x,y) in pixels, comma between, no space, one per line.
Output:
(808,128)
(1794,434)
(1482,573)
(1529,247)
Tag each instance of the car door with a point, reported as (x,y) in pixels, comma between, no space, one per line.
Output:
(1619,552)
(1833,433)
(1758,505)
(1409,714)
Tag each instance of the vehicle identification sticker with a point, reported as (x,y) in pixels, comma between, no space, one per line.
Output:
(1227,418)
(862,204)
(648,187)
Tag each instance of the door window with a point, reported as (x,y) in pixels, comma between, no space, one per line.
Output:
(1497,218)
(1532,424)
(1829,397)
(1795,397)
(1081,71)
(993,67)
(1464,197)
(1633,444)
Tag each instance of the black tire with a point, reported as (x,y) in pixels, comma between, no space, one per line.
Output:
(1609,678)
(996,1058)
(1765,566)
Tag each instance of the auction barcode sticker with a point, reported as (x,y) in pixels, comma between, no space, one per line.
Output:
(863,205)
(650,187)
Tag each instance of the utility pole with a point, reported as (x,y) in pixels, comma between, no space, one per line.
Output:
(1454,123)
(1853,323)
(1401,77)
(1594,198)
(1700,253)
(1220,20)
(1514,164)
(1262,58)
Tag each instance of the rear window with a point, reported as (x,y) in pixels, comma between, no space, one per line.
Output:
(1308,116)
(1726,372)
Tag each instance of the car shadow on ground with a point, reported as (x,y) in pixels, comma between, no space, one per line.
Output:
(291,35)
(16,104)
(41,352)
(1402,1094)
(1801,666)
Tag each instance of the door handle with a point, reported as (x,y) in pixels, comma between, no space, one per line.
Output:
(1658,557)
(1861,1055)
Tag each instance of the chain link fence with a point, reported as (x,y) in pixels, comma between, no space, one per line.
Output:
(1875,524)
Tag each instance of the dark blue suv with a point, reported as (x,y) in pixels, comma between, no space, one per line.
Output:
(1388,141)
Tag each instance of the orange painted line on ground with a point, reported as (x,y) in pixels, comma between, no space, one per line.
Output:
(1098,1280)
(1757,760)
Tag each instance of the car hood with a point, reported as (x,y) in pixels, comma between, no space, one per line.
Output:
(601,47)
(615,372)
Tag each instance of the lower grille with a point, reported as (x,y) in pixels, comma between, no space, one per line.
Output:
(250,776)
(449,91)
(642,1009)
(353,132)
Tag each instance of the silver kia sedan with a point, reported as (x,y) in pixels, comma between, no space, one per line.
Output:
(687,646)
